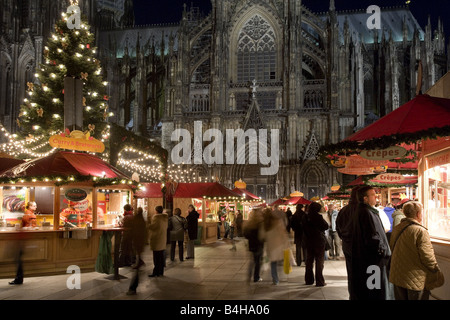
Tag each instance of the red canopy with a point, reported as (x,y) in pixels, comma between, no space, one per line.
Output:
(279,201)
(152,190)
(421,113)
(203,189)
(297,200)
(65,163)
(245,193)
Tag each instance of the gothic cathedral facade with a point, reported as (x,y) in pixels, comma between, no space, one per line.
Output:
(247,64)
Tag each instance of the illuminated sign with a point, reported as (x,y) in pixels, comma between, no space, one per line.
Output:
(384,154)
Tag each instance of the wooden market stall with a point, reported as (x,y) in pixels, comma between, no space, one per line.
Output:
(423,126)
(148,197)
(207,198)
(78,196)
(249,200)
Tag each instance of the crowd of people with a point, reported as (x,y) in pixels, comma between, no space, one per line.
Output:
(163,231)
(387,251)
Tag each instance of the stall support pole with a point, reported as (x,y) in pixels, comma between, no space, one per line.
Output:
(56,205)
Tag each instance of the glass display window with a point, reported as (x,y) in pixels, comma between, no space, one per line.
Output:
(110,205)
(75,206)
(14,200)
(437,188)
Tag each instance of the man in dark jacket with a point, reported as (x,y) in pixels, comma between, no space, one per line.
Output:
(192,228)
(344,228)
(314,227)
(300,244)
(370,245)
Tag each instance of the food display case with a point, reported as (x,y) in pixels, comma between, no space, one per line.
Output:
(74,209)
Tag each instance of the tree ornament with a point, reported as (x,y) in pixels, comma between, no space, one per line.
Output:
(30,86)
(84,102)
(40,112)
(84,75)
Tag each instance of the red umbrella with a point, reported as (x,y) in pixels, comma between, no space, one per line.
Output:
(420,114)
(64,163)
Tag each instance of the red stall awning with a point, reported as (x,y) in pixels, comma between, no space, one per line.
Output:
(203,189)
(419,114)
(152,190)
(65,163)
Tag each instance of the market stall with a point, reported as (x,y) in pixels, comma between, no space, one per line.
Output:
(422,128)
(78,197)
(249,200)
(208,199)
(149,196)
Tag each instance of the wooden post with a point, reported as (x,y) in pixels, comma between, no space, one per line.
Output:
(56,205)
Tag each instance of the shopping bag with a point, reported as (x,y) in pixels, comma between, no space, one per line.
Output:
(287,268)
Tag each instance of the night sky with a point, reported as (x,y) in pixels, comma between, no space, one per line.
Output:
(166,11)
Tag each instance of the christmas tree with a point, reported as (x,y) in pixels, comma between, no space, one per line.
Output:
(68,53)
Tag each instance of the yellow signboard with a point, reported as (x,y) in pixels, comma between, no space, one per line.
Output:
(79,144)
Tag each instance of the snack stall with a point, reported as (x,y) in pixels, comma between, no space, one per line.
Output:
(421,127)
(206,198)
(249,200)
(148,197)
(434,193)
(78,197)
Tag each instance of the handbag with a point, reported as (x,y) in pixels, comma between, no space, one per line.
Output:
(434,280)
(393,246)
(327,243)
(287,267)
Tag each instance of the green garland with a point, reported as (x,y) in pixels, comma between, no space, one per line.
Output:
(121,138)
(329,152)
(64,180)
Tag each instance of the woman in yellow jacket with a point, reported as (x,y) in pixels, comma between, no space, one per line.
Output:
(413,262)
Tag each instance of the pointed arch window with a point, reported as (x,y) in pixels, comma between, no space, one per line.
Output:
(256,51)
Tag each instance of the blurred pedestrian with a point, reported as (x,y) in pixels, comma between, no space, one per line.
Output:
(252,232)
(192,228)
(158,240)
(139,236)
(276,241)
(177,227)
(239,223)
(126,256)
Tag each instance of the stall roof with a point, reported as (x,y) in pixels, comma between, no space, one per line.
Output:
(297,200)
(65,163)
(419,114)
(8,163)
(247,194)
(201,189)
(152,190)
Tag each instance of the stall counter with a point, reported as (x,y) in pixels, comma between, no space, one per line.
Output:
(48,252)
